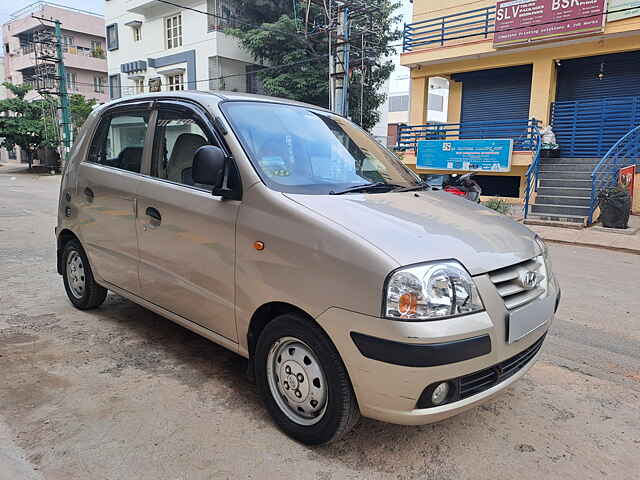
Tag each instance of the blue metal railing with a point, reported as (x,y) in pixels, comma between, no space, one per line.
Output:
(590,127)
(624,152)
(533,172)
(458,26)
(523,132)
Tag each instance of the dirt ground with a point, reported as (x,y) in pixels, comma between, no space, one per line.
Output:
(121,393)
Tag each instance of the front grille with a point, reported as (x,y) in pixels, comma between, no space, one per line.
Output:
(508,282)
(487,378)
(477,382)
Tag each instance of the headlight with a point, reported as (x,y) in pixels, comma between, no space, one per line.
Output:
(545,255)
(431,291)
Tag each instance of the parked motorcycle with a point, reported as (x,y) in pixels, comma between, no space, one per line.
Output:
(464,186)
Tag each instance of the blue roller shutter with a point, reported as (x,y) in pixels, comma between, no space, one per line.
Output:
(500,97)
(591,113)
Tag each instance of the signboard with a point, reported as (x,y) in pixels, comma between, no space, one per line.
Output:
(626,177)
(621,9)
(523,21)
(470,155)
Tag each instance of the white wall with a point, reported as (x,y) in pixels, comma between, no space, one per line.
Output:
(195,36)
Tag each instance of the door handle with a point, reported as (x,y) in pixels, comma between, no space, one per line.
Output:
(89,194)
(154,214)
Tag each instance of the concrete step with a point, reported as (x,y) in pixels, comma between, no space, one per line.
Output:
(567,167)
(565,183)
(587,161)
(556,175)
(565,191)
(564,210)
(563,200)
(576,223)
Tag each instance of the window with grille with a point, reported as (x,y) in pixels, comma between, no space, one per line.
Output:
(98,84)
(173,31)
(137,34)
(139,85)
(399,103)
(112,36)
(72,80)
(175,81)
(221,13)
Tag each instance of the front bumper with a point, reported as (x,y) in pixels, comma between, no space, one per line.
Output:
(388,382)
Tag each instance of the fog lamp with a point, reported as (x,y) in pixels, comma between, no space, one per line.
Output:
(440,393)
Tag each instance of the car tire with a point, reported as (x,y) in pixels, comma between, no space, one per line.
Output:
(81,287)
(294,348)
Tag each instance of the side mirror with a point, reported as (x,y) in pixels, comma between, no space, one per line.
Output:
(208,166)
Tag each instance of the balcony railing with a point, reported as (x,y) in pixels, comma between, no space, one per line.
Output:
(458,26)
(523,132)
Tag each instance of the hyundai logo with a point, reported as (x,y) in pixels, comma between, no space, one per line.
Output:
(529,280)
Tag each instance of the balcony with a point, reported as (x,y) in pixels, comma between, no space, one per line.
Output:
(523,133)
(455,28)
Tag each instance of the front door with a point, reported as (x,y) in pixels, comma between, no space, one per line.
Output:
(107,184)
(186,235)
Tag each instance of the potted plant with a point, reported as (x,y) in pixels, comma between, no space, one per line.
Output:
(97,52)
(615,207)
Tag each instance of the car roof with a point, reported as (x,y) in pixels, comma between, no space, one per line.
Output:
(208,97)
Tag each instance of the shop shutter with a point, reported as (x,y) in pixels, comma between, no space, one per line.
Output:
(500,99)
(590,113)
(578,78)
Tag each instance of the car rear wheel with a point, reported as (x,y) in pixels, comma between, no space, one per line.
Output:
(303,381)
(81,287)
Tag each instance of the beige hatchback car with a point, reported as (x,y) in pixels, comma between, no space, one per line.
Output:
(288,235)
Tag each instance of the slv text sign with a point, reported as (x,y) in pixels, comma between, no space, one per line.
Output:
(523,21)
(471,155)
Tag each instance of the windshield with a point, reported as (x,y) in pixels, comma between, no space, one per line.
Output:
(301,150)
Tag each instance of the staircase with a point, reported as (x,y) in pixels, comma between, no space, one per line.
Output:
(564,192)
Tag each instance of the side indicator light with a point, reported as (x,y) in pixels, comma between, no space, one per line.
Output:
(258,245)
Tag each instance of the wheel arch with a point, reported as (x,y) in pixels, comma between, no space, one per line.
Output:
(265,314)
(64,237)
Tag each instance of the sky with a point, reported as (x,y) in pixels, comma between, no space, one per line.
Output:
(8,7)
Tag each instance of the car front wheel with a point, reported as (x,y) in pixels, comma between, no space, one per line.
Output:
(303,381)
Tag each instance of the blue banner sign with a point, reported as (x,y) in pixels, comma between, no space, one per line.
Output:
(471,155)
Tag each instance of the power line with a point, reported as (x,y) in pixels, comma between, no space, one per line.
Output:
(274,67)
(236,20)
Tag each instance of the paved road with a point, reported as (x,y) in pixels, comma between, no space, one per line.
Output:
(122,393)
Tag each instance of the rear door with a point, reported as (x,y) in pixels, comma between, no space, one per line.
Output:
(186,235)
(107,184)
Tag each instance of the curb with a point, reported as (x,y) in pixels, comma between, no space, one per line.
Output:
(633,251)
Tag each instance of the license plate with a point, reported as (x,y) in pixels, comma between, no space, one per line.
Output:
(526,319)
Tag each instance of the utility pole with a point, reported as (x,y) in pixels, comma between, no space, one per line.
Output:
(340,62)
(62,91)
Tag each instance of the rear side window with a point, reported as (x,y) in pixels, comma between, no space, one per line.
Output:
(179,134)
(119,141)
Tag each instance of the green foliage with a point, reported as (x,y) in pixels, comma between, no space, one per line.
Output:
(80,109)
(284,38)
(25,123)
(498,205)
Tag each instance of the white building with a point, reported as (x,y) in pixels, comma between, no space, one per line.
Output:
(153,45)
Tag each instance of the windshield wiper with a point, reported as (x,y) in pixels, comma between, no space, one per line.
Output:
(422,186)
(365,187)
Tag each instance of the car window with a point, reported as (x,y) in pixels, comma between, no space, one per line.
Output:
(301,150)
(119,141)
(178,135)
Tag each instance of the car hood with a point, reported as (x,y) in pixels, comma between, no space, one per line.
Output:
(418,227)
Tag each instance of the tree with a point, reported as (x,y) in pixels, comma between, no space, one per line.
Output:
(80,109)
(287,34)
(25,123)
